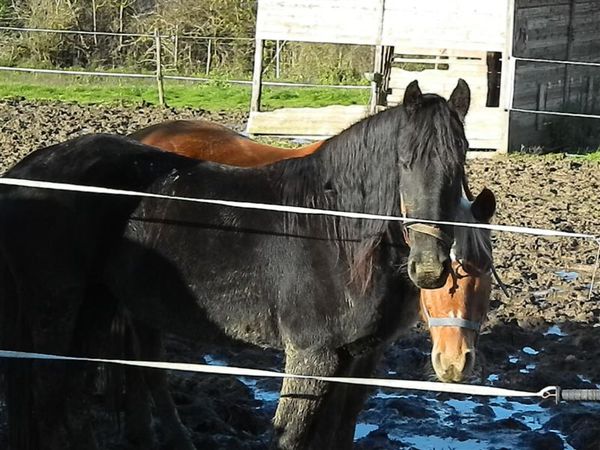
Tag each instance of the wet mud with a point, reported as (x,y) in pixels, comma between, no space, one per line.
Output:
(545,333)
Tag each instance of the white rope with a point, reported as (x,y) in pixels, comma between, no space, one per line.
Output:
(557,61)
(176,77)
(556,113)
(284,208)
(452,388)
(77,72)
(99,33)
(268,83)
(109,33)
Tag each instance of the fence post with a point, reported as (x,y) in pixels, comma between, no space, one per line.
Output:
(257,76)
(94,22)
(208,56)
(277,62)
(176,47)
(159,75)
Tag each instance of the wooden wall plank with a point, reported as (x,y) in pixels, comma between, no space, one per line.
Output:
(325,122)
(483,126)
(334,21)
(468,24)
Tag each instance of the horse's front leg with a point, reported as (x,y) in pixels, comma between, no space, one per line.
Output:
(353,403)
(304,403)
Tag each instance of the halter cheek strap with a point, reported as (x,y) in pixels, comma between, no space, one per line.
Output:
(450,321)
(431,230)
(423,228)
(453,322)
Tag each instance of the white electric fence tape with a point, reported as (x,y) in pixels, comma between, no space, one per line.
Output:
(453,388)
(549,391)
(284,208)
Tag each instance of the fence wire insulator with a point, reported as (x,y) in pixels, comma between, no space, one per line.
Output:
(577,395)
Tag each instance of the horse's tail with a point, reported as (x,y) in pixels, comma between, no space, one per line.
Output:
(123,344)
(15,334)
(117,348)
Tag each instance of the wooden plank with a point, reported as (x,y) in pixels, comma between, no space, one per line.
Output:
(334,21)
(469,24)
(327,121)
(483,125)
(524,4)
(440,51)
(441,82)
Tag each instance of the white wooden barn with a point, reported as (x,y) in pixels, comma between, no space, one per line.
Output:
(469,39)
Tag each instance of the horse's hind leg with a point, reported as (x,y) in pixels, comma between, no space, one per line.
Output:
(63,422)
(16,336)
(138,413)
(304,403)
(127,386)
(176,434)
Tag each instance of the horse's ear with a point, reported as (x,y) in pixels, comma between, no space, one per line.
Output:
(461,98)
(412,95)
(484,206)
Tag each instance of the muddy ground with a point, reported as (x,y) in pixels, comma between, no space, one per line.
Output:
(545,333)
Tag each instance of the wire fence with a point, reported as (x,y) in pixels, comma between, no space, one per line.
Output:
(162,55)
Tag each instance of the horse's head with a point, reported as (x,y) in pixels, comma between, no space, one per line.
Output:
(431,173)
(456,311)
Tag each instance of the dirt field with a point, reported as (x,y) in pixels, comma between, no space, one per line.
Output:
(546,333)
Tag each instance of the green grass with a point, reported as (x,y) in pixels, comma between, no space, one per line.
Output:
(213,96)
(594,156)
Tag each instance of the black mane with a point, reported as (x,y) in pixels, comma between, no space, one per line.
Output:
(359,171)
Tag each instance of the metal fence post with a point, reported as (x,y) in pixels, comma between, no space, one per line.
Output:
(159,75)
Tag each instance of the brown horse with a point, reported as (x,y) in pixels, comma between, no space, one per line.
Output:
(454,312)
(201,139)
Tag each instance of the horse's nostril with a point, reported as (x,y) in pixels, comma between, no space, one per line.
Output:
(469,359)
(437,359)
(412,268)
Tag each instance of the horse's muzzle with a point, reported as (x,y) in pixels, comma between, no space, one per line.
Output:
(453,368)
(428,273)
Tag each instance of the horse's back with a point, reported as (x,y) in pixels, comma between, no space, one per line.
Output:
(108,159)
(76,228)
(201,139)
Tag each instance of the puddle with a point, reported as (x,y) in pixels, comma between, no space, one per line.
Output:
(529,351)
(547,292)
(252,383)
(259,394)
(435,442)
(493,377)
(528,368)
(567,276)
(362,429)
(468,423)
(212,361)
(554,330)
(462,423)
(587,380)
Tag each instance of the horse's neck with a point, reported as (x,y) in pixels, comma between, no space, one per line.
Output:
(343,177)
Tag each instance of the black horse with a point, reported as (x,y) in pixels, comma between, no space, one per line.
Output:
(331,292)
